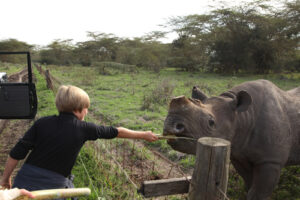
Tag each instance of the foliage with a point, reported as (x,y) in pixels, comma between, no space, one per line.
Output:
(288,187)
(105,48)
(13,45)
(254,37)
(160,95)
(57,53)
(106,68)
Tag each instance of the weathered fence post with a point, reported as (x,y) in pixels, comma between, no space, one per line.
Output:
(210,176)
(48,80)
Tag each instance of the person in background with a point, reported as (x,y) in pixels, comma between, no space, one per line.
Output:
(14,193)
(55,142)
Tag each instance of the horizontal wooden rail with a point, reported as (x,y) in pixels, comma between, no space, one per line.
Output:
(164,187)
(210,176)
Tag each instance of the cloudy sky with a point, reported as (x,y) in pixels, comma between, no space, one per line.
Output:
(42,21)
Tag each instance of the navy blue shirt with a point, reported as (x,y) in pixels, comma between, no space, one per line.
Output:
(55,141)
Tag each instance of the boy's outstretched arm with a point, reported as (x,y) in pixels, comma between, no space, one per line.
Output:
(127,133)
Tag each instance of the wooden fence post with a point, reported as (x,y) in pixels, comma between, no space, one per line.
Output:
(210,176)
(48,80)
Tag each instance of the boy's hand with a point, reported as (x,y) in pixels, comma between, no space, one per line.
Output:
(26,193)
(5,184)
(150,136)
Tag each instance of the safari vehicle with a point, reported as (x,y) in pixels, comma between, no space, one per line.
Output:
(18,100)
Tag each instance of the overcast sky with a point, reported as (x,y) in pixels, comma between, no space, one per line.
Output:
(42,21)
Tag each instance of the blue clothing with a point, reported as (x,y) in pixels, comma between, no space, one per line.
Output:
(33,178)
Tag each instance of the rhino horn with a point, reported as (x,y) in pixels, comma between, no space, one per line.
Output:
(198,94)
(178,101)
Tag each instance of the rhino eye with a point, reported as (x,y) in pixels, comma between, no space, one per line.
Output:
(211,122)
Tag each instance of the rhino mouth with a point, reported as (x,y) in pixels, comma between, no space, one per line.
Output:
(178,136)
(184,137)
(182,143)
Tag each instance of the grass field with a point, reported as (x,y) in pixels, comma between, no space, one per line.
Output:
(139,100)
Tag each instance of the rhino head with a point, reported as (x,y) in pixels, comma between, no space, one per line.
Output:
(201,116)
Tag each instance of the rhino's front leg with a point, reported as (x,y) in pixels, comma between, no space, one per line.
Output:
(265,178)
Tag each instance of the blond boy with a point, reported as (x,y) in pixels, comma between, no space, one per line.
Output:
(55,142)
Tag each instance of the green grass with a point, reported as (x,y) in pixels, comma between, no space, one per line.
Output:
(10,68)
(103,177)
(117,99)
(46,98)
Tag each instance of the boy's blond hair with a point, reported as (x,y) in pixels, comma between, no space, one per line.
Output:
(70,98)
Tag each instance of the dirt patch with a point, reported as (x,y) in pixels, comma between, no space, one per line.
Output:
(9,136)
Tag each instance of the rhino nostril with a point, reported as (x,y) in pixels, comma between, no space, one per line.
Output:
(179,127)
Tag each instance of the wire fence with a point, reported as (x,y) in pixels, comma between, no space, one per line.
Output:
(137,163)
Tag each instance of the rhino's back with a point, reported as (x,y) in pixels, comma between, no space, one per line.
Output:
(267,97)
(276,115)
(262,91)
(295,91)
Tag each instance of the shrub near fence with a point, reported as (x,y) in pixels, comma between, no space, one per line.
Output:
(160,95)
(107,68)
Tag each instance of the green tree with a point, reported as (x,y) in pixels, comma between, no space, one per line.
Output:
(14,45)
(254,37)
(190,51)
(143,52)
(101,47)
(59,52)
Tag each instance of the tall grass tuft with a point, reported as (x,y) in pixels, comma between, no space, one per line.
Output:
(159,96)
(109,68)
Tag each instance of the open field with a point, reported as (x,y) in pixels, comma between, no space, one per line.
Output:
(139,100)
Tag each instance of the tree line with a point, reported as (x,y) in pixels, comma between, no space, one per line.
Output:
(253,38)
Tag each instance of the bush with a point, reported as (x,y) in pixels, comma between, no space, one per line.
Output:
(158,96)
(108,68)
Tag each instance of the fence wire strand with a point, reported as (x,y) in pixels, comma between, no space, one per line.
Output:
(89,177)
(223,193)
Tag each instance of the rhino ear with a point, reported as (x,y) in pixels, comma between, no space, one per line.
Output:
(243,101)
(197,94)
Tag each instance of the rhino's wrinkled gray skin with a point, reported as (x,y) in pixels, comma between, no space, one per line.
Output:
(261,121)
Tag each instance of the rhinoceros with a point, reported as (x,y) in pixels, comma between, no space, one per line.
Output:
(261,121)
